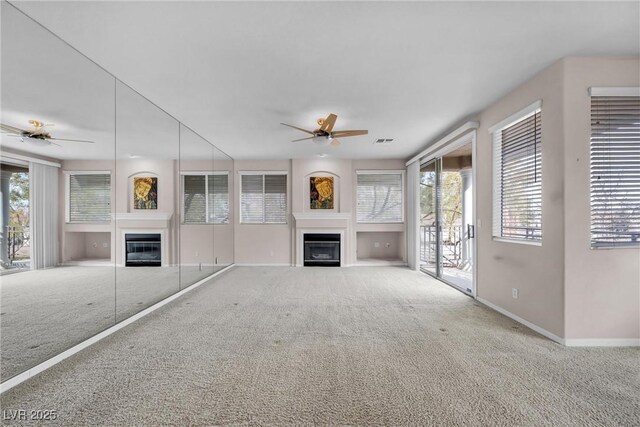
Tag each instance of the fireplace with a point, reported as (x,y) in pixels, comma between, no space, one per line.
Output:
(321,250)
(143,250)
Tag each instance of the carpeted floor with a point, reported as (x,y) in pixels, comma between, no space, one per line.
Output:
(44,312)
(340,346)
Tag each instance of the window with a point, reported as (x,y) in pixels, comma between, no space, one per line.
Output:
(615,169)
(517,163)
(263,198)
(379,197)
(205,198)
(88,197)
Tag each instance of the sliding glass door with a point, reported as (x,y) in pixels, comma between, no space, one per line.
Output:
(446,217)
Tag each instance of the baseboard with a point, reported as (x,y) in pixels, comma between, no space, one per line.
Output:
(12,382)
(250,264)
(519,319)
(602,342)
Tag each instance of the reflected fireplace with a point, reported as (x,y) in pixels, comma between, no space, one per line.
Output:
(143,250)
(321,250)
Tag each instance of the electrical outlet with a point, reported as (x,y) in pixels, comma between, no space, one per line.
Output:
(197,254)
(387,245)
(514,293)
(376,245)
(105,245)
(94,244)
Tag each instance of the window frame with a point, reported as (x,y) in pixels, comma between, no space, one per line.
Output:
(263,174)
(206,197)
(496,158)
(594,92)
(402,173)
(67,194)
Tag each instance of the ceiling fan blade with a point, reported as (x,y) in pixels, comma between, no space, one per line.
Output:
(303,139)
(71,140)
(335,142)
(11,129)
(328,123)
(345,133)
(296,127)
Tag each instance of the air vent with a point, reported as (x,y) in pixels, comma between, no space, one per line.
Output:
(383,141)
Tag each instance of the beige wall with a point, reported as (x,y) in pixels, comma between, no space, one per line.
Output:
(536,271)
(602,287)
(274,244)
(565,287)
(262,243)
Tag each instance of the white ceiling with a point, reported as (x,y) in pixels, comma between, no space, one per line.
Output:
(233,71)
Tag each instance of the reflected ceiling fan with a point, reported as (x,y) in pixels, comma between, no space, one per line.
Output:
(326,133)
(37,134)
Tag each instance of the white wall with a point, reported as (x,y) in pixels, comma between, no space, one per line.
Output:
(565,287)
(536,271)
(602,287)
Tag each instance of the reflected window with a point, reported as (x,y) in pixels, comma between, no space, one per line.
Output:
(205,198)
(88,197)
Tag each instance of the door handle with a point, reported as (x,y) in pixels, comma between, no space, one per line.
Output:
(471,231)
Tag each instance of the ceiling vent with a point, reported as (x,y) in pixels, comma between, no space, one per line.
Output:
(383,141)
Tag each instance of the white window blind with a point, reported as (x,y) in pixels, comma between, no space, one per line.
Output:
(517,210)
(615,171)
(263,198)
(89,197)
(379,197)
(206,199)
(194,199)
(218,193)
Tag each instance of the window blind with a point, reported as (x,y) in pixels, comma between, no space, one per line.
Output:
(263,199)
(218,199)
(89,198)
(379,198)
(518,183)
(275,199)
(615,171)
(194,193)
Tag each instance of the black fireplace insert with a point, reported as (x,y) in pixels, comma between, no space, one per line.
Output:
(143,250)
(321,250)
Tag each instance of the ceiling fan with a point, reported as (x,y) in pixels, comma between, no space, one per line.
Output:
(326,133)
(37,134)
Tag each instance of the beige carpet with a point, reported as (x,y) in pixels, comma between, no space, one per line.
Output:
(44,312)
(340,346)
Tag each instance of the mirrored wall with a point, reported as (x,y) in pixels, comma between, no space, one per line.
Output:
(109,204)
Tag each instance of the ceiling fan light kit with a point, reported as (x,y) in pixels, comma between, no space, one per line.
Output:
(36,135)
(325,133)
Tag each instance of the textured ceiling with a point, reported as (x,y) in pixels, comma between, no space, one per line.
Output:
(233,71)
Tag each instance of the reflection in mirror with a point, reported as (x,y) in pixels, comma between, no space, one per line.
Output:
(223,205)
(146,231)
(58,284)
(198,214)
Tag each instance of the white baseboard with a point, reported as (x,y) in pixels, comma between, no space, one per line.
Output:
(519,319)
(250,264)
(602,342)
(12,382)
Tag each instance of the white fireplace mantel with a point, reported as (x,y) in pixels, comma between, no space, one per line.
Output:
(142,216)
(323,216)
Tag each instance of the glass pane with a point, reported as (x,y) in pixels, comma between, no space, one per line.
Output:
(69,293)
(456,207)
(196,231)
(147,150)
(223,201)
(428,218)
